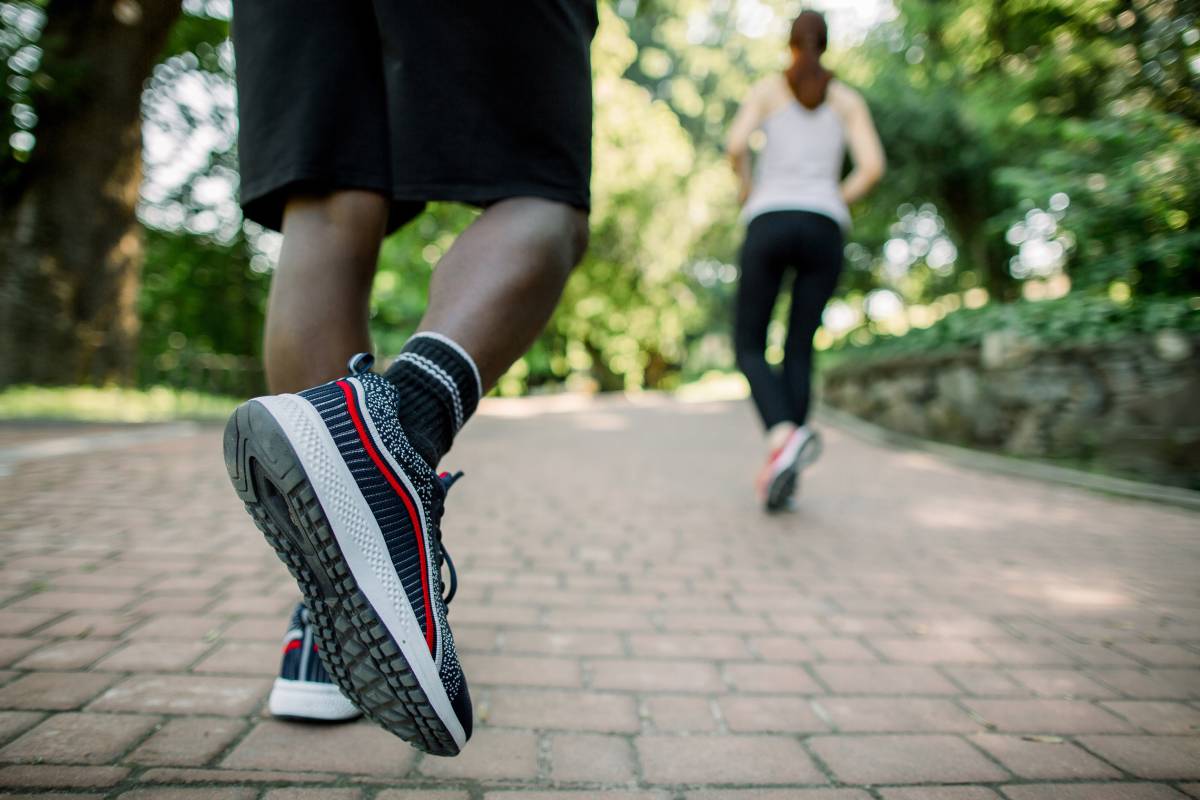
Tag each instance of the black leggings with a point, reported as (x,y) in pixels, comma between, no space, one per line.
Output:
(810,246)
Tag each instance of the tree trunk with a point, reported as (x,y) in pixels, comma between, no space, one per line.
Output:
(70,243)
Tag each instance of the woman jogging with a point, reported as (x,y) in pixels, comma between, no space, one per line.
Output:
(796,211)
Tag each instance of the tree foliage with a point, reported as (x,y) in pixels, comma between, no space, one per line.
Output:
(1026,140)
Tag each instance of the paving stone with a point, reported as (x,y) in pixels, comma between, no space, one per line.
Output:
(189,627)
(904,759)
(725,759)
(648,676)
(559,643)
(1158,717)
(1019,653)
(55,776)
(771,714)
(420,794)
(13,649)
(709,621)
(603,794)
(73,601)
(1160,654)
(17,623)
(79,738)
(153,657)
(171,793)
(521,670)
(322,793)
(357,748)
(890,679)
(1043,758)
(675,645)
(176,775)
(931,651)
(241,658)
(778,794)
(1158,684)
(84,624)
(1091,791)
(770,678)
(985,681)
(15,722)
(590,757)
(781,648)
(1060,683)
(1149,756)
(841,649)
(184,694)
(69,654)
(896,714)
(59,691)
(681,714)
(1047,716)
(561,710)
(492,755)
(187,742)
(938,793)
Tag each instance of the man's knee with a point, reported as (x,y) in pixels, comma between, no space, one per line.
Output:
(577,235)
(347,214)
(555,233)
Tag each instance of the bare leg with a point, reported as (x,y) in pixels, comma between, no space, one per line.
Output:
(319,302)
(497,286)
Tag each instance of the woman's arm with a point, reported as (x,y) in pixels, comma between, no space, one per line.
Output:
(866,151)
(749,118)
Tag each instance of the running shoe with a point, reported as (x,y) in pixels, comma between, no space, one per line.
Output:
(779,478)
(304,689)
(331,480)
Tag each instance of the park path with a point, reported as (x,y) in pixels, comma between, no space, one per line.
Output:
(632,627)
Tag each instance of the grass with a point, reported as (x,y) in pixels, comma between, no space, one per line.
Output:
(112,404)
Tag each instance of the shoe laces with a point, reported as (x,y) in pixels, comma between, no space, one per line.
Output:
(443,556)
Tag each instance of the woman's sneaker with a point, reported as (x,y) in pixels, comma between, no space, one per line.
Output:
(304,689)
(780,476)
(330,478)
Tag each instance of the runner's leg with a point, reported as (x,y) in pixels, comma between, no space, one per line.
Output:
(317,312)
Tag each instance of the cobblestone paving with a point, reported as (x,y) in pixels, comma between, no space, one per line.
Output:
(632,627)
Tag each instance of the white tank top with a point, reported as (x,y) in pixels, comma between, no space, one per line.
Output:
(800,167)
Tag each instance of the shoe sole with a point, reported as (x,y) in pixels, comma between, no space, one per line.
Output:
(384,668)
(310,700)
(783,486)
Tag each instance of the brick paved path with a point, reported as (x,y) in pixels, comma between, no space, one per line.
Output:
(632,627)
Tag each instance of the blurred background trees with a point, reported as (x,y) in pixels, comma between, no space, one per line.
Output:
(1037,149)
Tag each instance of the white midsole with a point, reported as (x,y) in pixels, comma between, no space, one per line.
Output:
(361,542)
(800,451)
(310,700)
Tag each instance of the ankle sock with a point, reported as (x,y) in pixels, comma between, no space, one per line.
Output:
(439,387)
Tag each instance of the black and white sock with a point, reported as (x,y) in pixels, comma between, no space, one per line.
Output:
(440,388)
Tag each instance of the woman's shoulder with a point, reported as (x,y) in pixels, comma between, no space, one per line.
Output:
(843,97)
(769,87)
(771,92)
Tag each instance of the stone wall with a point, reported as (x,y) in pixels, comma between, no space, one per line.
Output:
(1130,408)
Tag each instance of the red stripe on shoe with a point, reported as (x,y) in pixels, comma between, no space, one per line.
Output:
(294,644)
(413,517)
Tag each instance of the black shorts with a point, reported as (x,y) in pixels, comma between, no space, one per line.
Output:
(466,100)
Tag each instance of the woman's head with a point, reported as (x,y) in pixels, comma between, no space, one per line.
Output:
(809,34)
(806,76)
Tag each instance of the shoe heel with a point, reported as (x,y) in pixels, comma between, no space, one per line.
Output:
(268,477)
(254,443)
